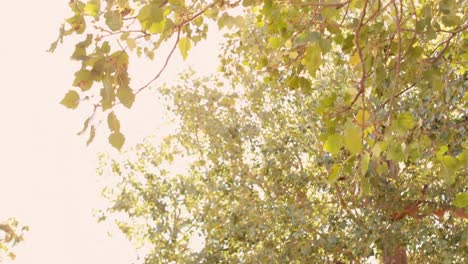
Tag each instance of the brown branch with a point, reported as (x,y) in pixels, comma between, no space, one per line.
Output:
(362,85)
(164,66)
(199,13)
(179,29)
(399,94)
(446,42)
(398,62)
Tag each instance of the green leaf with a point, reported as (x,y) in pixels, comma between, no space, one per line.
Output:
(449,162)
(352,138)
(85,43)
(405,121)
(151,18)
(92,134)
(440,153)
(333,144)
(395,152)
(131,43)
(54,44)
(85,126)
(184,46)
(113,122)
(126,96)
(92,8)
(117,140)
(461,200)
(107,95)
(312,59)
(452,20)
(362,117)
(309,37)
(334,173)
(114,20)
(77,23)
(79,53)
(83,79)
(274,42)
(71,100)
(365,163)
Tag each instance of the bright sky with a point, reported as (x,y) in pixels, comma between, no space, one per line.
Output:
(47,174)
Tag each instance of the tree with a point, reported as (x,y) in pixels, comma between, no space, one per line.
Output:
(345,136)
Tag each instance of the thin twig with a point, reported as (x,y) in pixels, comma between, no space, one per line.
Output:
(164,66)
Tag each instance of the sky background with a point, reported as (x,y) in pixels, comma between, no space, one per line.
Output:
(47,174)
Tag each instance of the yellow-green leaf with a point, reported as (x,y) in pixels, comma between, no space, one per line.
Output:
(333,143)
(83,79)
(461,200)
(92,134)
(362,117)
(184,46)
(365,163)
(114,20)
(274,42)
(126,96)
(352,138)
(71,99)
(334,173)
(117,140)
(107,95)
(113,122)
(405,121)
(312,59)
(92,8)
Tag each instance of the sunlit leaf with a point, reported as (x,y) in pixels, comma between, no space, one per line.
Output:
(114,20)
(184,46)
(333,144)
(126,96)
(71,100)
(352,138)
(113,122)
(461,200)
(334,174)
(117,140)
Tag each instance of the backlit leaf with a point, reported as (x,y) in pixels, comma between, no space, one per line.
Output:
(362,117)
(83,79)
(461,200)
(92,8)
(126,96)
(334,173)
(92,134)
(312,59)
(405,121)
(71,100)
(117,140)
(184,46)
(114,20)
(352,138)
(112,122)
(333,144)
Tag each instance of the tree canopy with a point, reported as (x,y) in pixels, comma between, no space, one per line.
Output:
(335,130)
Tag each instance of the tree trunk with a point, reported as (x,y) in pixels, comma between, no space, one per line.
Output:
(395,255)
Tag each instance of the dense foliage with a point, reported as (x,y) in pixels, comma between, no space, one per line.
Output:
(335,131)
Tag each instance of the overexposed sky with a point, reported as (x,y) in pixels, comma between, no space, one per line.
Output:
(47,174)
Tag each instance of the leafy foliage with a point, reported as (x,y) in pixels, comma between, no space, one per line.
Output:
(342,135)
(10,235)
